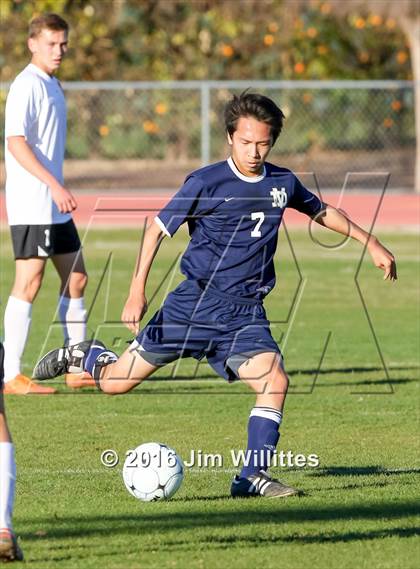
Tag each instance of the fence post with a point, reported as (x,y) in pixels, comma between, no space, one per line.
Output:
(205,123)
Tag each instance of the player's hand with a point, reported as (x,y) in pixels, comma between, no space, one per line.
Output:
(133,312)
(383,259)
(64,199)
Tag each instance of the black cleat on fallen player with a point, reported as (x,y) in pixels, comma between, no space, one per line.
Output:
(261,485)
(69,359)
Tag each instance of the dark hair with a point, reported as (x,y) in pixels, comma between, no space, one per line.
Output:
(47,21)
(253,105)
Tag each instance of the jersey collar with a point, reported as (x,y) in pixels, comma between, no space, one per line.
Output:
(249,179)
(39,72)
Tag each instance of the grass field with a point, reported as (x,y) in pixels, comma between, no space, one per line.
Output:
(358,417)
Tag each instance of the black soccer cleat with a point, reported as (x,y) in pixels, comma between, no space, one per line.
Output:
(261,485)
(69,359)
(9,547)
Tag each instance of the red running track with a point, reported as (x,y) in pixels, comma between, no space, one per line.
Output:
(400,211)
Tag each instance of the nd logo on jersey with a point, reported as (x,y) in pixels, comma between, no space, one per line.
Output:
(279,197)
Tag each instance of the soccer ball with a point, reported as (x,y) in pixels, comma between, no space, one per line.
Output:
(152,471)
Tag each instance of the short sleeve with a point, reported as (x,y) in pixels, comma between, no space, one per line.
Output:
(190,201)
(303,200)
(20,110)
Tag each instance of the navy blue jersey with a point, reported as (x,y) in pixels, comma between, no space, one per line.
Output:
(233,222)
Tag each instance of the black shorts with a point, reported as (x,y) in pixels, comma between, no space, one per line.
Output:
(44,240)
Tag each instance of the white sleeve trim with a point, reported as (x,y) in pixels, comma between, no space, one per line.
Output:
(162,226)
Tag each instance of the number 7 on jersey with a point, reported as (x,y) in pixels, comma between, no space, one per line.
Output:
(260,216)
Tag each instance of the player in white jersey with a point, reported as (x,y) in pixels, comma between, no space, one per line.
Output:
(38,204)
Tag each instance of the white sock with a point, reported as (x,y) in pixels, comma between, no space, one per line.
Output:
(73,318)
(7,484)
(17,321)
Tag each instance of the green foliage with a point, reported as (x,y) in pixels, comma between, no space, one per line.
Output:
(166,123)
(163,40)
(258,39)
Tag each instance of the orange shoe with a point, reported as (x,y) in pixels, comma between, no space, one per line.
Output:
(22,385)
(9,547)
(79,380)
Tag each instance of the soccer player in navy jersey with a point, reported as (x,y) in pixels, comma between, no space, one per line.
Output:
(233,209)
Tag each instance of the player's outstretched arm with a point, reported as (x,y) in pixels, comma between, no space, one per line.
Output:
(23,154)
(381,257)
(136,303)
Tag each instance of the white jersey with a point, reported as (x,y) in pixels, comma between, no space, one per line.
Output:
(35,109)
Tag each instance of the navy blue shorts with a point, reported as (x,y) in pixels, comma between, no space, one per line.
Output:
(198,322)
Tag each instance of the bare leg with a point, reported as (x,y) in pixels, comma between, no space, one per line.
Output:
(17,319)
(71,270)
(126,373)
(264,374)
(28,278)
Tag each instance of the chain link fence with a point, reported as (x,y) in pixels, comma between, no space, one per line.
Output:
(145,135)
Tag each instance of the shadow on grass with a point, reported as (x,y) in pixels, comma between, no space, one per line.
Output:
(327,383)
(355,370)
(361,471)
(220,543)
(235,515)
(352,369)
(225,542)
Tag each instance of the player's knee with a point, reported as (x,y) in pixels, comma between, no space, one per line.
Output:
(28,287)
(278,382)
(77,284)
(108,390)
(4,430)
(107,387)
(83,281)
(79,281)
(114,387)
